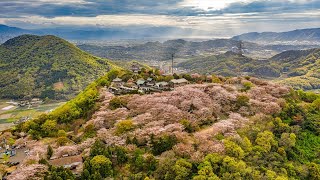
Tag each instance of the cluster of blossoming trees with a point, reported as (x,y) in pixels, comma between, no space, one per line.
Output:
(237,128)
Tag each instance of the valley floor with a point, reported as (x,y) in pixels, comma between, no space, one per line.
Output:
(9,113)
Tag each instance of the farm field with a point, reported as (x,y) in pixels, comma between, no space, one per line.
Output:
(9,114)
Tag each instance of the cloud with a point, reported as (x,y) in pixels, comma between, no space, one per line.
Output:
(273,6)
(215,25)
(221,16)
(101,20)
(90,8)
(250,5)
(209,4)
(54,8)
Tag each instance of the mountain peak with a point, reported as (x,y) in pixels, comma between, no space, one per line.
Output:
(35,64)
(9,28)
(5,26)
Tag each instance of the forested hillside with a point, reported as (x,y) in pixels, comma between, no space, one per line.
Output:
(234,128)
(231,64)
(297,68)
(46,67)
(301,68)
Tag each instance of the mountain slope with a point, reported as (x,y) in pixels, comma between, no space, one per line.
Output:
(45,66)
(312,35)
(230,64)
(198,131)
(301,69)
(292,55)
(297,68)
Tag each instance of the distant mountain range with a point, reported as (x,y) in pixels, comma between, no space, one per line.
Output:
(72,33)
(46,66)
(183,49)
(163,51)
(300,36)
(7,32)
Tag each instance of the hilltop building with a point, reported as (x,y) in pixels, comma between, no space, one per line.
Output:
(163,85)
(117,82)
(179,82)
(150,82)
(141,82)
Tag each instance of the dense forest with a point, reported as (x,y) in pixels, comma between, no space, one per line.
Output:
(46,67)
(232,128)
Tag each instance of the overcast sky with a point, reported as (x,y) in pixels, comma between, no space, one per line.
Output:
(227,17)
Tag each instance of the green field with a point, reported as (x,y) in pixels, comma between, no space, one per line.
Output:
(7,117)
